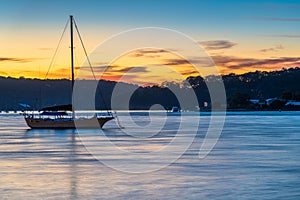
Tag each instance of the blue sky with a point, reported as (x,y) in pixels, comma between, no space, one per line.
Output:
(187,15)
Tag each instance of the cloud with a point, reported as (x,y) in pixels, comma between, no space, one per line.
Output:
(285,36)
(225,60)
(274,19)
(150,53)
(189,72)
(97,69)
(20,60)
(240,63)
(276,48)
(2,73)
(175,62)
(204,61)
(236,63)
(114,69)
(283,60)
(217,44)
(134,69)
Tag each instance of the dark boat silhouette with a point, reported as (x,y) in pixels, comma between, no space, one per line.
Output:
(63,116)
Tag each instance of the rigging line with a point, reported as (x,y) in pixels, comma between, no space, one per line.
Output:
(89,62)
(76,58)
(61,37)
(85,52)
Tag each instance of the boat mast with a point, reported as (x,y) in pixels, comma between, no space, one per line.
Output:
(72,60)
(72,49)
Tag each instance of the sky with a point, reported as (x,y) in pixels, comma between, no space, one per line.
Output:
(239,36)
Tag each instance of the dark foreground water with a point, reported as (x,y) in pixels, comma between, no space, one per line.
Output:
(256,157)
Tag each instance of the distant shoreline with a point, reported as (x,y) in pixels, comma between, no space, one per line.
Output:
(158,111)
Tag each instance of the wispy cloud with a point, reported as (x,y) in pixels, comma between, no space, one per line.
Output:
(284,36)
(217,44)
(97,69)
(203,61)
(232,62)
(175,62)
(20,60)
(134,69)
(274,19)
(276,48)
(227,64)
(114,69)
(2,73)
(189,72)
(264,62)
(240,63)
(151,53)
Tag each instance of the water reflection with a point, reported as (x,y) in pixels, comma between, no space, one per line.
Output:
(69,138)
(73,166)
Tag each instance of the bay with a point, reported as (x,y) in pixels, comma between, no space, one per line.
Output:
(256,156)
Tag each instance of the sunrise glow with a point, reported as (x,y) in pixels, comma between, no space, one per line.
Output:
(248,41)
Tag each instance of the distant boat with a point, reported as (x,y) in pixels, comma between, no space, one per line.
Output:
(175,109)
(58,117)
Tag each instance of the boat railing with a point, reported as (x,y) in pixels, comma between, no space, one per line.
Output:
(35,115)
(39,116)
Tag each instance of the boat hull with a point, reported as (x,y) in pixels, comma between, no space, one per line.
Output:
(92,123)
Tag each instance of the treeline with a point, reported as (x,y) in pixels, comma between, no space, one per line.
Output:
(283,84)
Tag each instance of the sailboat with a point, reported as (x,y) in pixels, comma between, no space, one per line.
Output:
(58,117)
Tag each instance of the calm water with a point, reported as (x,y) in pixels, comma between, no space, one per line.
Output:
(256,157)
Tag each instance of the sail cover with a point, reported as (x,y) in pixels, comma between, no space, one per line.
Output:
(58,108)
(54,113)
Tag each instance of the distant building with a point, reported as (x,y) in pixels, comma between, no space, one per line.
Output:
(293,103)
(175,109)
(257,101)
(254,101)
(271,100)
